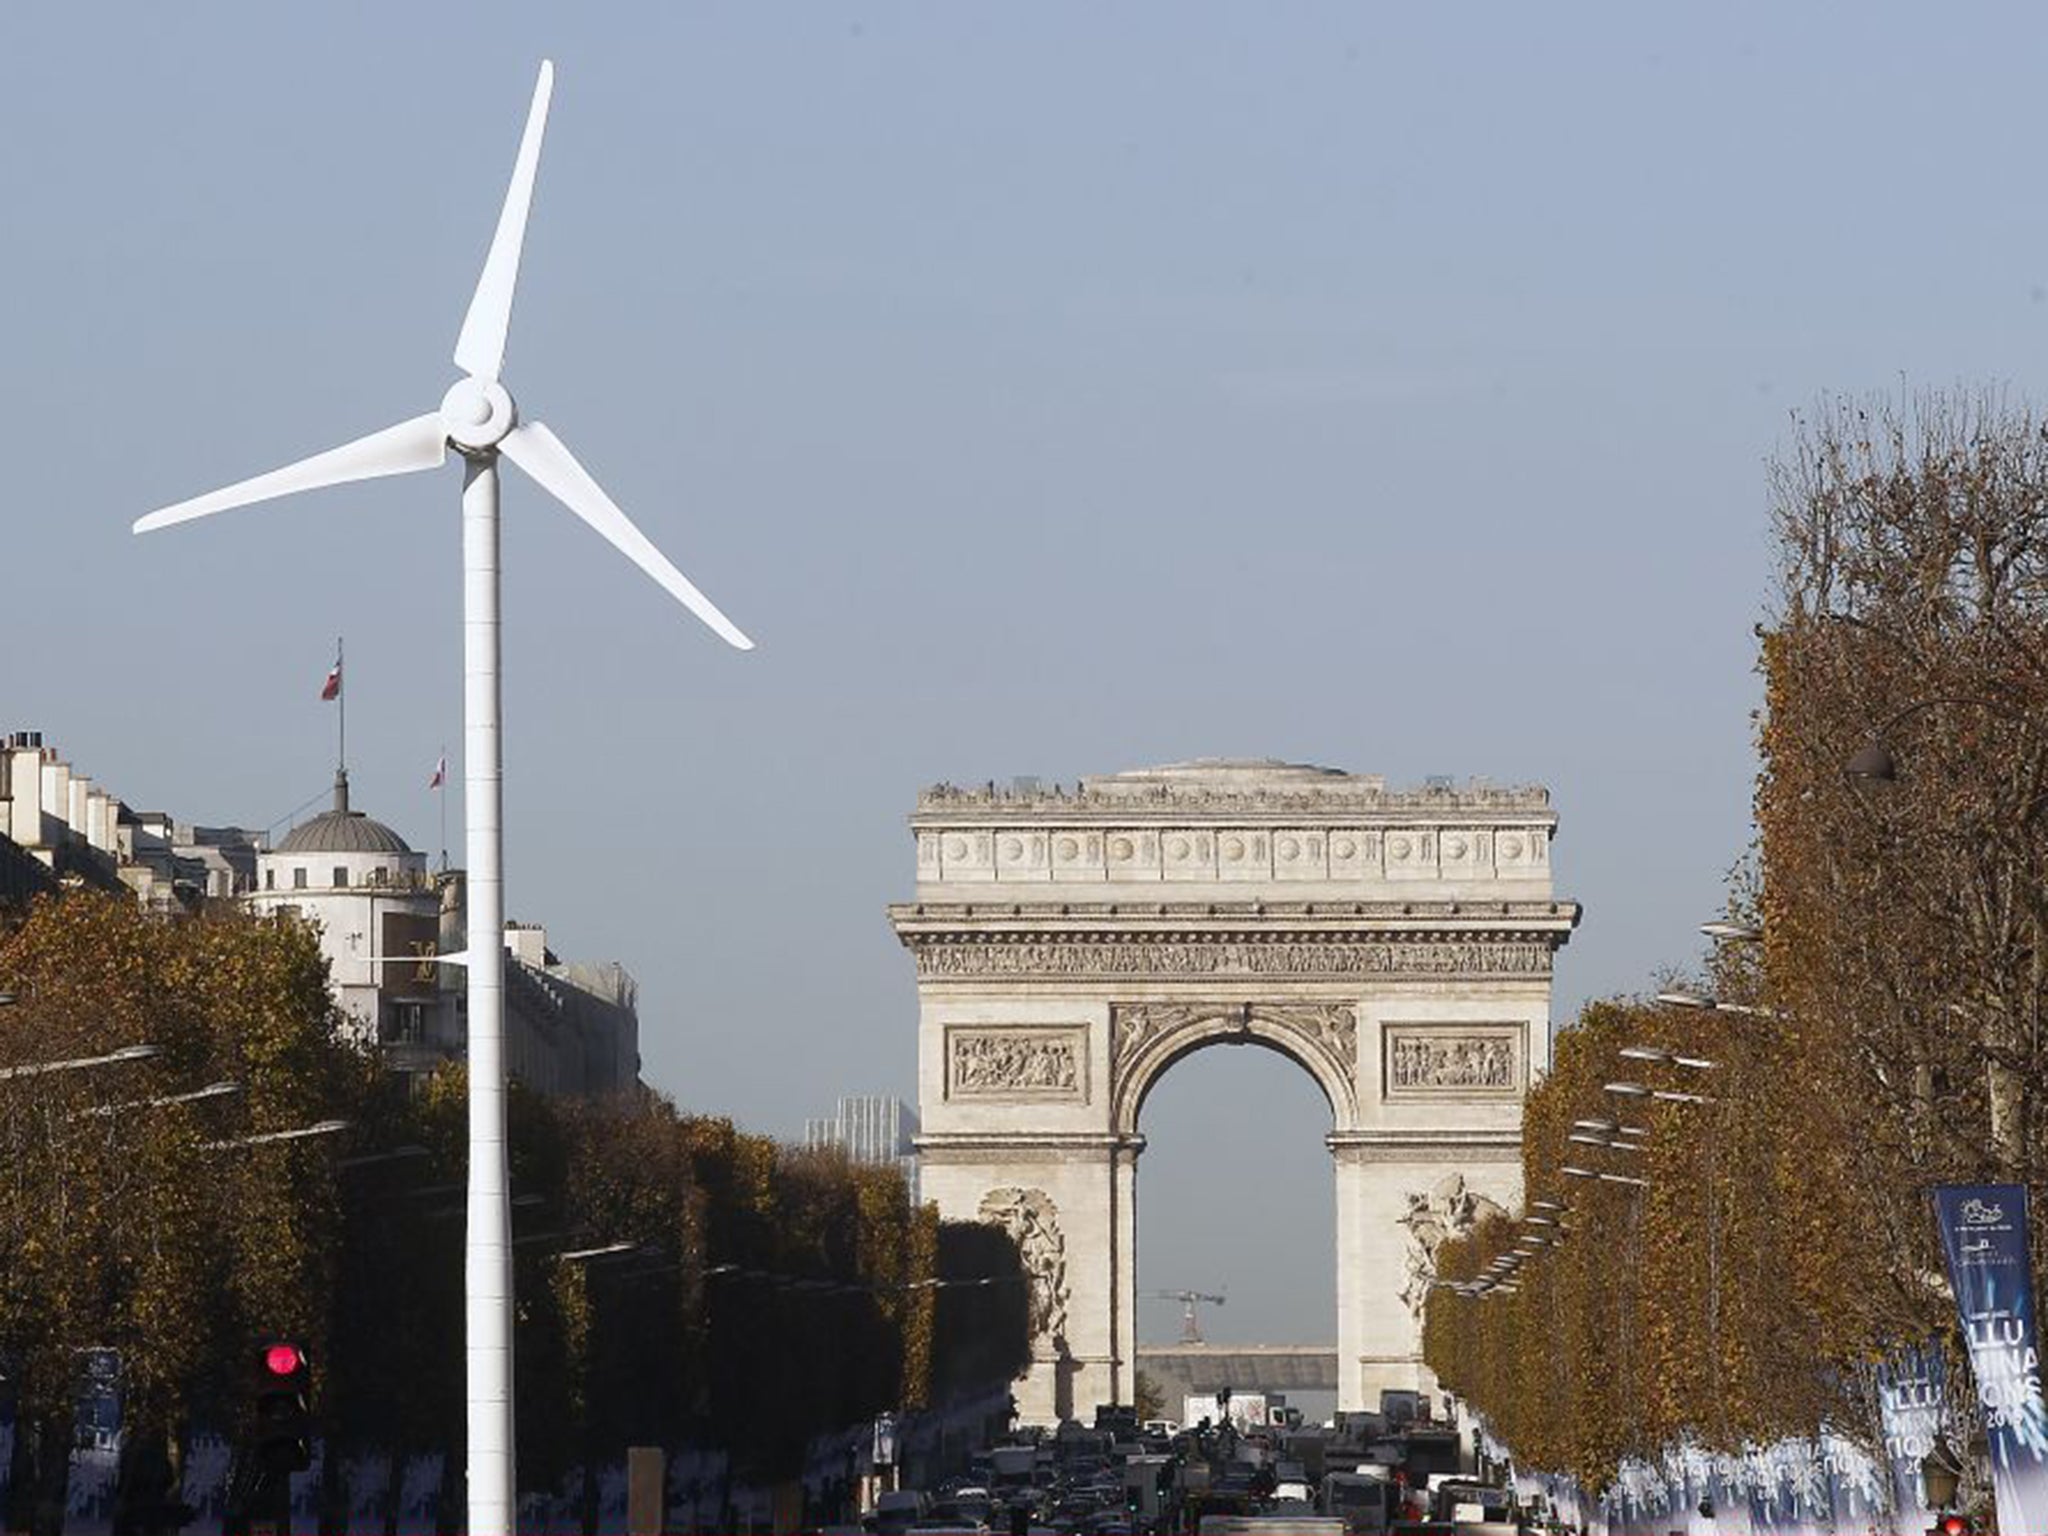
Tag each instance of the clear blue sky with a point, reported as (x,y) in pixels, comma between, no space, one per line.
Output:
(1050,389)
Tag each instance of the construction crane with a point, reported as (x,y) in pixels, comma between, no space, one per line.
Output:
(1190,1330)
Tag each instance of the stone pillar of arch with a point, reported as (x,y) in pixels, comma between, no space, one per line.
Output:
(1072,945)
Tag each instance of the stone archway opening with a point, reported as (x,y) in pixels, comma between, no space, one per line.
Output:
(1235,1196)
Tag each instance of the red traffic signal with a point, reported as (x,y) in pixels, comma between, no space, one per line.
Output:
(283,1420)
(1954,1525)
(282,1359)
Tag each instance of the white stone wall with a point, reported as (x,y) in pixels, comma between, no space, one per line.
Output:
(350,917)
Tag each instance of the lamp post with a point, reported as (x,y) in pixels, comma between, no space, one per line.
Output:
(1573,1171)
(266,1138)
(210,1091)
(80,1063)
(1940,1474)
(1632,1090)
(1683,999)
(1732,933)
(1875,763)
(1658,1054)
(603,1251)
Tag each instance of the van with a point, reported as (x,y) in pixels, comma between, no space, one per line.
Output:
(1362,1502)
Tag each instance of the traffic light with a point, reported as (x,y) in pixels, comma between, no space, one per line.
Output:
(284,1406)
(1949,1525)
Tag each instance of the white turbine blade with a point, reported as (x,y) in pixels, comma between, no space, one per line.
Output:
(421,443)
(453,957)
(542,455)
(480,349)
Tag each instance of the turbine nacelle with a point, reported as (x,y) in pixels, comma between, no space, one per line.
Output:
(478,414)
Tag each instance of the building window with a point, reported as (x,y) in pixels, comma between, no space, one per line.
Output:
(299,878)
(380,876)
(270,879)
(408,1024)
(340,876)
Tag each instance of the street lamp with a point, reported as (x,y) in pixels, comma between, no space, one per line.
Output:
(1571,1171)
(1606,1127)
(1940,1473)
(297,1133)
(1616,1144)
(577,1255)
(1874,761)
(1733,933)
(79,1063)
(1657,1053)
(1678,999)
(1629,1090)
(210,1091)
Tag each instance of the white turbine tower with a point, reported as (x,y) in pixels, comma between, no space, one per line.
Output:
(477,419)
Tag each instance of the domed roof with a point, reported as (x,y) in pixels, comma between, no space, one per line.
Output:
(342,830)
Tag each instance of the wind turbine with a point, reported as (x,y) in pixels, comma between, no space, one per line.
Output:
(479,421)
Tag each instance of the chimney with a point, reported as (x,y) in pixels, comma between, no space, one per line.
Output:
(25,780)
(99,819)
(56,806)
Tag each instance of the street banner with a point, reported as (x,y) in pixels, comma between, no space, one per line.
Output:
(1910,1404)
(1856,1486)
(1984,1233)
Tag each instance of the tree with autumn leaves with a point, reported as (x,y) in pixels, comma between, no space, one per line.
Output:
(123,1223)
(729,1291)
(1783,1245)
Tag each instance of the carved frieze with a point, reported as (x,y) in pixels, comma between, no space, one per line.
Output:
(1032,1220)
(1312,791)
(1133,1026)
(1032,1061)
(1205,853)
(1324,1035)
(1228,958)
(1454,1061)
(1333,1026)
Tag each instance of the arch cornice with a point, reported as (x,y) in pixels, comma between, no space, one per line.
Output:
(1147,1038)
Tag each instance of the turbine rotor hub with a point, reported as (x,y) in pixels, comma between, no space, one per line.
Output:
(477,414)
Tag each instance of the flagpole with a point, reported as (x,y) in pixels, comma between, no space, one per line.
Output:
(341,698)
(441,788)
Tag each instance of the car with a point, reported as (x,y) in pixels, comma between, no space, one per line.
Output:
(895,1512)
(970,1506)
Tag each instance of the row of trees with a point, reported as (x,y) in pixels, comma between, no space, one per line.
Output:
(1783,1247)
(763,1294)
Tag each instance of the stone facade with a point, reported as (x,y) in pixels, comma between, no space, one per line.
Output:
(1072,945)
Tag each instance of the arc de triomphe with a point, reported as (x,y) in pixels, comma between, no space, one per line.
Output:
(1071,945)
